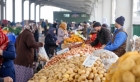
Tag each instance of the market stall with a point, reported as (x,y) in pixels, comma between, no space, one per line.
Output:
(79,64)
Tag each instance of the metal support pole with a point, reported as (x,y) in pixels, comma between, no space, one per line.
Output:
(22,10)
(35,12)
(2,10)
(29,10)
(13,10)
(5,9)
(39,12)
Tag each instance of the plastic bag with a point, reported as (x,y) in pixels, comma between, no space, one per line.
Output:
(42,55)
(135,43)
(107,57)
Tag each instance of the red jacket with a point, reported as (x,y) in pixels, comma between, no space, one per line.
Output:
(93,38)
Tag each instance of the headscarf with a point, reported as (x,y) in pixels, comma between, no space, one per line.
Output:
(3,43)
(51,32)
(30,27)
(63,26)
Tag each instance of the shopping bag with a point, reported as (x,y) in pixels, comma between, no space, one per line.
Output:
(42,55)
(107,57)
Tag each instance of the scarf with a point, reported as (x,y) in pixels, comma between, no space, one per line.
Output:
(51,32)
(3,43)
(63,26)
(30,27)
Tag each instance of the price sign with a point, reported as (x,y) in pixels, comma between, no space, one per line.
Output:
(62,51)
(90,60)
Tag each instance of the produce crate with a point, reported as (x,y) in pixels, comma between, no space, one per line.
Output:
(66,45)
(75,45)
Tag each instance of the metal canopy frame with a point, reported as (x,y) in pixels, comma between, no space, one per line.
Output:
(73,5)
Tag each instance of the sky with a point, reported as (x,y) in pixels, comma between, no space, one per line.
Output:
(46,11)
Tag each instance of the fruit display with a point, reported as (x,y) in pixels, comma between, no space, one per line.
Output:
(126,69)
(73,39)
(71,70)
(84,49)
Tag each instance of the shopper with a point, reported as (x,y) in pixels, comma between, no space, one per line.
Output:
(62,34)
(51,42)
(25,45)
(40,29)
(118,42)
(7,55)
(84,30)
(6,79)
(104,25)
(103,35)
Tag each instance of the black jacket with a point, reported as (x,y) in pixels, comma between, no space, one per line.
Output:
(103,36)
(1,80)
(49,42)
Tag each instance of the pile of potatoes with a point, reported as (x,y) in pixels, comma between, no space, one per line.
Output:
(71,70)
(126,69)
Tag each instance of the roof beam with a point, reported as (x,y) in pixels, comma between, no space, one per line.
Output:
(65,7)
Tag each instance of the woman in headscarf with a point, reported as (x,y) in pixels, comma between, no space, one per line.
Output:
(51,42)
(7,55)
(25,45)
(62,34)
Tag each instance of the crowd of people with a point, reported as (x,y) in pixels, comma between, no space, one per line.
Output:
(16,60)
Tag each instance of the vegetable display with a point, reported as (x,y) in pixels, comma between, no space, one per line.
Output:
(126,69)
(74,51)
(71,70)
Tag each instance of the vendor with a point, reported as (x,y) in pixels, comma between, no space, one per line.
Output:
(103,35)
(118,42)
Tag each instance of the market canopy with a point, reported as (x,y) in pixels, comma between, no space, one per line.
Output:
(73,5)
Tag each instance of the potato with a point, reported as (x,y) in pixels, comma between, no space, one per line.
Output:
(127,64)
(70,79)
(70,71)
(127,76)
(138,79)
(89,69)
(103,79)
(77,76)
(100,75)
(82,77)
(81,71)
(66,76)
(72,75)
(136,70)
(97,79)
(100,71)
(42,80)
(90,81)
(91,76)
(137,61)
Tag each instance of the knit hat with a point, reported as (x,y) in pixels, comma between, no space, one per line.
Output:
(96,24)
(120,20)
(85,22)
